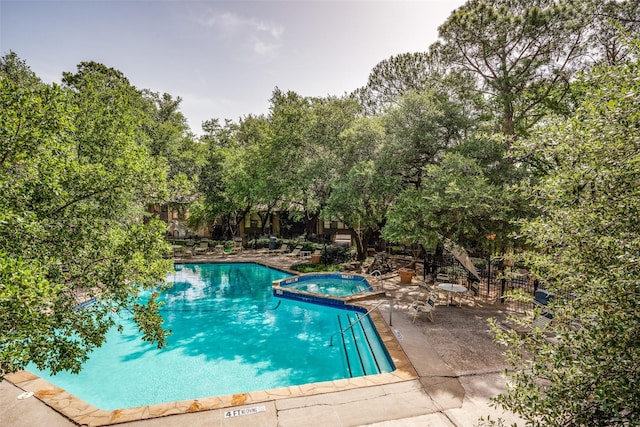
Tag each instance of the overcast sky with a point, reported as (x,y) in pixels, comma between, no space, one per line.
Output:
(223,58)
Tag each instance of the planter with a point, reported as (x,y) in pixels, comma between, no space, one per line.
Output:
(406,275)
(315,258)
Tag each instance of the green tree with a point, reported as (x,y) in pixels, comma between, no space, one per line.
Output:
(360,200)
(607,23)
(240,177)
(15,69)
(523,53)
(584,368)
(291,119)
(170,140)
(213,203)
(74,186)
(266,173)
(391,78)
(362,190)
(417,72)
(320,157)
(420,129)
(456,201)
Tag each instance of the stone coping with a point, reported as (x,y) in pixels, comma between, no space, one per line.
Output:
(83,413)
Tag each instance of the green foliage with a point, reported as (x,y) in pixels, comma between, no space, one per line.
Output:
(361,199)
(392,78)
(322,155)
(15,69)
(585,247)
(420,129)
(608,24)
(314,268)
(75,182)
(522,52)
(456,201)
(336,254)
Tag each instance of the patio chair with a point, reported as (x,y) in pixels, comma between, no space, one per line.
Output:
(540,322)
(442,277)
(474,290)
(237,246)
(427,307)
(423,292)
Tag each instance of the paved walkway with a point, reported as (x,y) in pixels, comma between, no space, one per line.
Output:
(459,368)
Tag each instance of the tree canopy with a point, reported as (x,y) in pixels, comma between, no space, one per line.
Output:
(523,54)
(75,183)
(584,247)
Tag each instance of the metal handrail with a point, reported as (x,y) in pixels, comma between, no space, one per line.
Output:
(379,275)
(351,325)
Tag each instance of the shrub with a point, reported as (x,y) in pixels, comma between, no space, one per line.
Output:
(308,267)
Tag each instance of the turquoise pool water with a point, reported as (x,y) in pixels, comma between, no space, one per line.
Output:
(230,335)
(334,284)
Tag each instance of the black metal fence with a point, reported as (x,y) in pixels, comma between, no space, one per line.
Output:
(495,283)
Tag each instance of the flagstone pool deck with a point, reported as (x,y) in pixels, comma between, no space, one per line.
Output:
(446,371)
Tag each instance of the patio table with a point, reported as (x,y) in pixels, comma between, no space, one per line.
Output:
(452,289)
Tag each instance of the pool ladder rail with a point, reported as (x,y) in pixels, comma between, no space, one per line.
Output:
(377,275)
(351,325)
(357,367)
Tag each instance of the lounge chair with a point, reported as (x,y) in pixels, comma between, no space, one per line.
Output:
(237,246)
(203,248)
(295,252)
(281,250)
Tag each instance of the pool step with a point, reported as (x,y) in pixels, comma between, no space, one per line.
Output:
(356,341)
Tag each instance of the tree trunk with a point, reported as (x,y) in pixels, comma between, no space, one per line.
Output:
(362,242)
(358,240)
(310,223)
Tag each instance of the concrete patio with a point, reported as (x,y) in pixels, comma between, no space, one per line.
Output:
(457,366)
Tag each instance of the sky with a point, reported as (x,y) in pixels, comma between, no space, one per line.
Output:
(222,58)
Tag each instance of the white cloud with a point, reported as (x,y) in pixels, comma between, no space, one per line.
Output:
(262,37)
(263,48)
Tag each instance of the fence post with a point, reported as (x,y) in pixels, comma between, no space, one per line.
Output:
(489,276)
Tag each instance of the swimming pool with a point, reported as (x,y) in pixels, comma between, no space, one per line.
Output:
(333,284)
(230,335)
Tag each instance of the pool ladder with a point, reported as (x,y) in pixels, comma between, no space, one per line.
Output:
(376,274)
